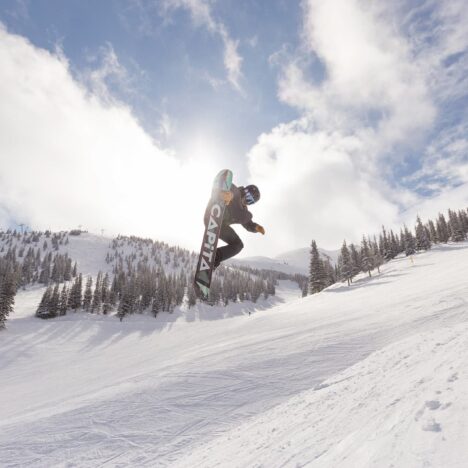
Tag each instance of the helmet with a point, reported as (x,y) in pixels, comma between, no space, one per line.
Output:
(251,194)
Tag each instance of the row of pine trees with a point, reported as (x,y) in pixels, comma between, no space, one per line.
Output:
(152,276)
(28,258)
(149,276)
(372,253)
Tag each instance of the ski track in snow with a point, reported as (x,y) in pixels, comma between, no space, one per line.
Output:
(371,375)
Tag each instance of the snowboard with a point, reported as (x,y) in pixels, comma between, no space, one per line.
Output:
(206,259)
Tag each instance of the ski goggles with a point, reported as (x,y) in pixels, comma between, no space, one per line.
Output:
(249,199)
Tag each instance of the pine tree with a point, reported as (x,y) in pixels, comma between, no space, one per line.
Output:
(317,273)
(75,296)
(44,277)
(432,232)
(67,275)
(366,257)
(97,295)
(331,272)
(106,295)
(54,302)
(355,260)
(384,246)
(455,227)
(377,258)
(128,301)
(88,294)
(215,291)
(156,305)
(345,265)
(7,294)
(422,239)
(43,308)
(402,244)
(256,290)
(410,243)
(463,217)
(442,229)
(63,301)
(191,296)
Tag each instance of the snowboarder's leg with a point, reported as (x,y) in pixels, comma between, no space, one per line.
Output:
(233,247)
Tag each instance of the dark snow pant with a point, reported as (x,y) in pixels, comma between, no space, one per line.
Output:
(233,247)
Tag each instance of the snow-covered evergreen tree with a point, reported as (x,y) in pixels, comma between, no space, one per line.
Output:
(455,227)
(463,217)
(106,295)
(367,263)
(88,294)
(443,233)
(432,232)
(345,265)
(63,305)
(355,260)
(8,285)
(377,258)
(422,239)
(43,308)
(75,296)
(317,273)
(191,296)
(97,295)
(54,302)
(410,242)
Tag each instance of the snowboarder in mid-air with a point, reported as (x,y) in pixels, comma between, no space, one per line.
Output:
(236,200)
(227,205)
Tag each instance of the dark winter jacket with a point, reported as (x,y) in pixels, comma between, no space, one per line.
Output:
(236,212)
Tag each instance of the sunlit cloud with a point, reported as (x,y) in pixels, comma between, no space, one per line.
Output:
(329,175)
(68,157)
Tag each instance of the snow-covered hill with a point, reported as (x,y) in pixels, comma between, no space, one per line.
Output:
(292,262)
(371,375)
(267,263)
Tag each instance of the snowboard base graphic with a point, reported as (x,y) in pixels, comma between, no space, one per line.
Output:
(206,259)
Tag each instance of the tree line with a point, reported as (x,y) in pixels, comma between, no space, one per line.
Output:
(28,258)
(372,253)
(150,277)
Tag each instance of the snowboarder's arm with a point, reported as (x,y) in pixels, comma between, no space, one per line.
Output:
(254,227)
(250,225)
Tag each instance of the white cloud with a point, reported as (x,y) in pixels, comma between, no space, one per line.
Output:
(166,126)
(445,161)
(202,16)
(312,189)
(369,70)
(67,157)
(451,198)
(108,70)
(325,175)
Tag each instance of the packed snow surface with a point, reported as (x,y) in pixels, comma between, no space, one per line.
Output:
(374,374)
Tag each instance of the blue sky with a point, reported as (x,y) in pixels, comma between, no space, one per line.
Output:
(347,113)
(171,60)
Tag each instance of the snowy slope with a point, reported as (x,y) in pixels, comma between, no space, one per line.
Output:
(371,375)
(301,257)
(267,263)
(292,262)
